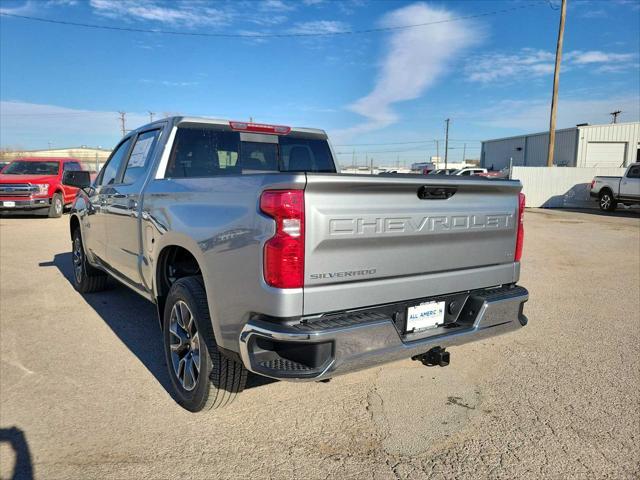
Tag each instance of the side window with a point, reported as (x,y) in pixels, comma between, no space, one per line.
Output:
(634,172)
(140,156)
(466,172)
(110,170)
(204,152)
(72,166)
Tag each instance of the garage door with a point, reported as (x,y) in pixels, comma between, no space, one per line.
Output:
(605,154)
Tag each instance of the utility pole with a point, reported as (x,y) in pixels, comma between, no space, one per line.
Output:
(556,81)
(464,153)
(437,153)
(446,144)
(615,115)
(122,123)
(151,114)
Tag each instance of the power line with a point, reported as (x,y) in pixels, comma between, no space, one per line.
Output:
(416,150)
(268,35)
(389,143)
(405,143)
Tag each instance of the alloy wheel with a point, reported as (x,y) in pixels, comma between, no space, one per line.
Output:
(184,343)
(605,202)
(78,257)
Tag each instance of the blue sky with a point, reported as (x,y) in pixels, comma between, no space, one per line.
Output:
(492,74)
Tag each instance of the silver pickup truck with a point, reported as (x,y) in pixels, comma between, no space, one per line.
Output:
(261,258)
(611,191)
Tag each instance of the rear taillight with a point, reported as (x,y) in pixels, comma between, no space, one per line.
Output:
(284,252)
(520,236)
(593,182)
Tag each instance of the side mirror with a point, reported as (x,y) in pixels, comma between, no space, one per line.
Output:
(76,178)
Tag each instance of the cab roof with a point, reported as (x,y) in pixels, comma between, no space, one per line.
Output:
(175,120)
(46,159)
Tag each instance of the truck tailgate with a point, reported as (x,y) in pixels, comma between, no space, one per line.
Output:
(364,228)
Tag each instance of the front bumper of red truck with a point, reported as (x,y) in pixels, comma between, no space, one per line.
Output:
(23,203)
(318,348)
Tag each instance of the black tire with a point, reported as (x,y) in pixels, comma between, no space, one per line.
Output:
(606,201)
(86,279)
(57,206)
(219,379)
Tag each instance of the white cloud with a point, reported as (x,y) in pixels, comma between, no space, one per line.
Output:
(415,59)
(578,57)
(20,9)
(319,26)
(31,6)
(266,20)
(593,13)
(276,5)
(528,63)
(533,115)
(169,83)
(495,66)
(182,13)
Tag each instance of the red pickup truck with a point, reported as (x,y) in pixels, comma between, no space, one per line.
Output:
(35,185)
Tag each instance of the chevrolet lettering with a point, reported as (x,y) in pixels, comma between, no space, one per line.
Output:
(428,224)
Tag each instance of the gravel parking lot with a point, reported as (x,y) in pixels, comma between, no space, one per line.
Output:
(83,385)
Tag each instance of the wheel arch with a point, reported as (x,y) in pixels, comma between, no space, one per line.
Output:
(606,190)
(188,263)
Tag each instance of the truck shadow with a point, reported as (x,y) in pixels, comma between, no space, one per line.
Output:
(577,199)
(22,464)
(133,319)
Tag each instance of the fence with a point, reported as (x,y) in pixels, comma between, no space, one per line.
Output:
(560,187)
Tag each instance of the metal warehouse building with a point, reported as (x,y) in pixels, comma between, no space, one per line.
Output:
(613,145)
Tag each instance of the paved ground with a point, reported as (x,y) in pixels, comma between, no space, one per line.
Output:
(83,385)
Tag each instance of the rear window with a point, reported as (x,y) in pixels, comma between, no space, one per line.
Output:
(208,152)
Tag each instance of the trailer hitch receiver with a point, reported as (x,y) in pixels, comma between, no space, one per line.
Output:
(436,356)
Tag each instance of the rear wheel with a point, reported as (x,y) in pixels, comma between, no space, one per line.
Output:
(607,202)
(57,206)
(86,279)
(201,376)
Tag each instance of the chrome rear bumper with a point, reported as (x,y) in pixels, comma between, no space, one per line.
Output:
(354,341)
